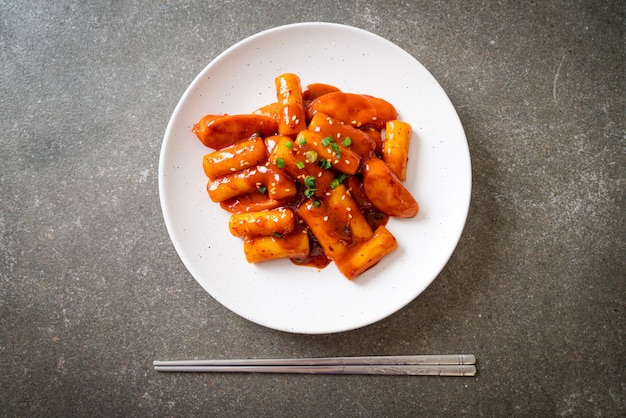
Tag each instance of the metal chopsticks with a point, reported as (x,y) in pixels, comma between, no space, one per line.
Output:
(415,365)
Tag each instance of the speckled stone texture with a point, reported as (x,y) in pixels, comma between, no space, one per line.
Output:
(92,290)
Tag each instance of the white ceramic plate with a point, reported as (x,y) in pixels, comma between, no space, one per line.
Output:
(278,294)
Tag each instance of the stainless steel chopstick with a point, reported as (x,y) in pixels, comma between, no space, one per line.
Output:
(418,365)
(424,359)
(412,370)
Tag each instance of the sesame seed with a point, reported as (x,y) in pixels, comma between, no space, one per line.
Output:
(317,129)
(374,118)
(347,162)
(293,117)
(348,209)
(233,169)
(338,135)
(349,216)
(326,218)
(320,174)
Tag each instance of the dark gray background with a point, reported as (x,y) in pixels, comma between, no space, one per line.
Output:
(91,289)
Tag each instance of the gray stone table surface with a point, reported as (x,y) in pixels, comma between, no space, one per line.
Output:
(92,289)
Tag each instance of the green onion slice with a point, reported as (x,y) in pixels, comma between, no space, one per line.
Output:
(327,141)
(311,156)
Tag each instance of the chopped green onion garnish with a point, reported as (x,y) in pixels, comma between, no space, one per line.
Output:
(327,141)
(347,142)
(263,189)
(335,148)
(311,156)
(300,165)
(325,164)
(280,163)
(289,144)
(316,203)
(302,141)
(310,182)
(337,181)
(309,192)
(277,234)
